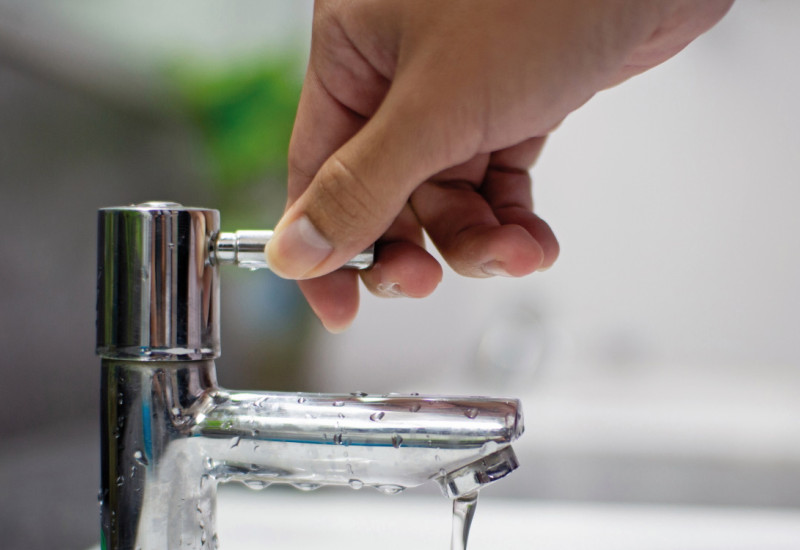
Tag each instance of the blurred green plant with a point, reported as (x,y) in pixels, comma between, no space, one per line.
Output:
(243,112)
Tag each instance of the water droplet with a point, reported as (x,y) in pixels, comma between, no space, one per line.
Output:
(306,486)
(341,415)
(442,472)
(236,441)
(301,400)
(415,407)
(227,425)
(338,403)
(376,416)
(220,398)
(414,394)
(140,458)
(120,481)
(256,484)
(208,462)
(397,441)
(359,394)
(437,458)
(133,472)
(356,484)
(337,439)
(260,401)
(471,412)
(389,489)
(489,447)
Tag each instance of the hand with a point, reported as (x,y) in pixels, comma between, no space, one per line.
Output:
(427,116)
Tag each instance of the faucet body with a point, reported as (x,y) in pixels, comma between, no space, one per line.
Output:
(170,434)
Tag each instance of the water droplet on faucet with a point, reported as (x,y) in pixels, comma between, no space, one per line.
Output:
(338,403)
(236,441)
(356,484)
(256,484)
(376,416)
(337,439)
(220,398)
(301,400)
(471,412)
(389,489)
(359,394)
(397,441)
(140,458)
(306,486)
(415,407)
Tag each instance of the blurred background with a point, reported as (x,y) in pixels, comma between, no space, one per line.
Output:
(658,361)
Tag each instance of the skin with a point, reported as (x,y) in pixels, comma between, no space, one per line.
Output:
(425,117)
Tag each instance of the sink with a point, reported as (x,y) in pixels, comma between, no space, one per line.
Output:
(279,518)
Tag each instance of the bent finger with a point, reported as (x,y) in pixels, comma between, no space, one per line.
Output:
(402,265)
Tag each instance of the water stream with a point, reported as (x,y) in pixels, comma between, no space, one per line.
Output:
(463,512)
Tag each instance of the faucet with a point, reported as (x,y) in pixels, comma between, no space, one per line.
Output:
(170,434)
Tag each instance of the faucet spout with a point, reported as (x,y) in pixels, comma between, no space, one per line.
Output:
(389,442)
(171,434)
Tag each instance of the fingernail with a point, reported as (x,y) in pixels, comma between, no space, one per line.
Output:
(297,249)
(391,290)
(495,269)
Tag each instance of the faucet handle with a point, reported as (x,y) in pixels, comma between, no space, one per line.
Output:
(245,248)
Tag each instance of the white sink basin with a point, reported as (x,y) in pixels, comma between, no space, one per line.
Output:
(282,519)
(278,519)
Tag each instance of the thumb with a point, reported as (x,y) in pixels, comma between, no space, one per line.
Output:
(363,186)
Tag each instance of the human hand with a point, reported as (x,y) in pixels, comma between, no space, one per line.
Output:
(427,116)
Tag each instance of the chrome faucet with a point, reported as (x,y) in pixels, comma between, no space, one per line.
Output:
(170,434)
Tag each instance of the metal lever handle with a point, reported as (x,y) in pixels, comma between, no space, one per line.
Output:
(245,248)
